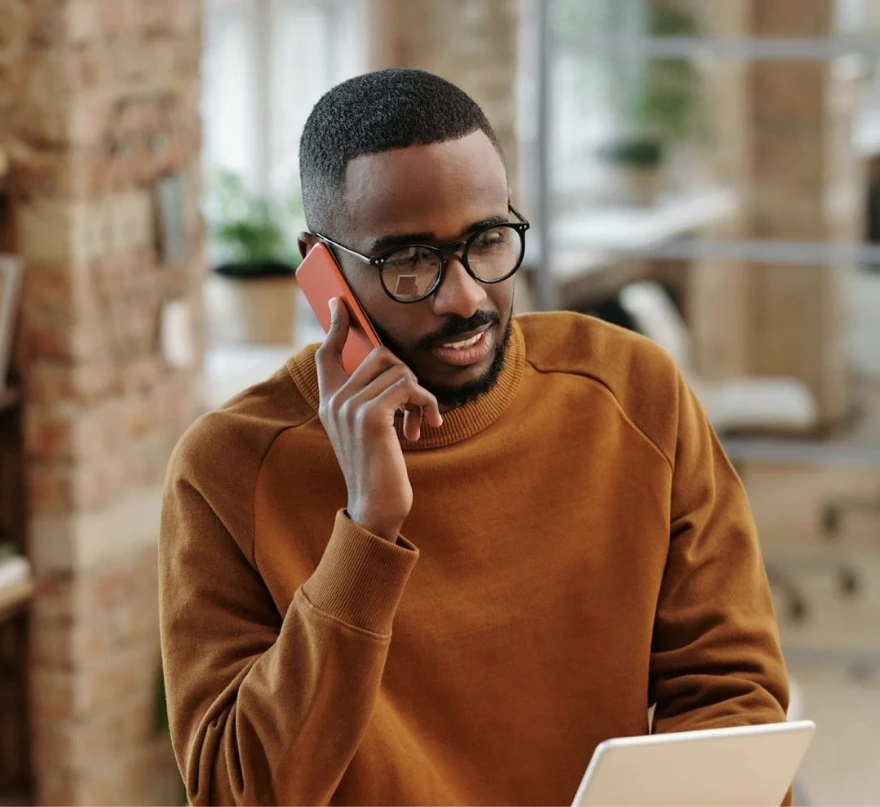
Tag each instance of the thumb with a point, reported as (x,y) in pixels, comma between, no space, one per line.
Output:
(339,325)
(328,359)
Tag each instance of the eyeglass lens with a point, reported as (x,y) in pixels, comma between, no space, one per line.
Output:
(410,272)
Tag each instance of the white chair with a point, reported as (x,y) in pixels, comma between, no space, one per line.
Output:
(742,403)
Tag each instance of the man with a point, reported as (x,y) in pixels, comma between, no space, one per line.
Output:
(536,505)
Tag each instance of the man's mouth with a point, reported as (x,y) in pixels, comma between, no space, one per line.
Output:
(465,350)
(461,344)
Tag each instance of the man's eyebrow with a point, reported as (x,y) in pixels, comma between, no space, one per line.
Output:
(387,242)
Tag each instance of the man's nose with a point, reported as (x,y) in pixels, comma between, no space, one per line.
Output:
(459,293)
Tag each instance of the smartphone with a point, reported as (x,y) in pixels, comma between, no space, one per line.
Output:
(321,279)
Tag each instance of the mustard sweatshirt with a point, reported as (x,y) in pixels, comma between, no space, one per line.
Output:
(579,548)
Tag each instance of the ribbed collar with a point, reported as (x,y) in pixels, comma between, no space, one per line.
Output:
(458,424)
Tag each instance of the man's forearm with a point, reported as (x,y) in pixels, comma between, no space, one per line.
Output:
(264,739)
(249,702)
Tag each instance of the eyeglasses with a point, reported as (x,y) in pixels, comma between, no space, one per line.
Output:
(415,271)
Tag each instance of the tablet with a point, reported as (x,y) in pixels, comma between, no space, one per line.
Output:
(746,765)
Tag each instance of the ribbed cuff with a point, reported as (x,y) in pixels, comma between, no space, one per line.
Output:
(361,577)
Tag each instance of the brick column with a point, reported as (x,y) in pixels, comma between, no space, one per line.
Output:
(472,43)
(717,297)
(807,185)
(99,101)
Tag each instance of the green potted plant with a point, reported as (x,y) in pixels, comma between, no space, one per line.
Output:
(251,295)
(665,112)
(638,161)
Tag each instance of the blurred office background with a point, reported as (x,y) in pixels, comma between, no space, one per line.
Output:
(705,172)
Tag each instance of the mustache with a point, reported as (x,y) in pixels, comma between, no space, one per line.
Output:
(455,326)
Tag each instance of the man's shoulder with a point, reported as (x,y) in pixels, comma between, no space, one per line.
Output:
(567,342)
(234,438)
(641,379)
(215,465)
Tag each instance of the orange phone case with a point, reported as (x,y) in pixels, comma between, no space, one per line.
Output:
(321,279)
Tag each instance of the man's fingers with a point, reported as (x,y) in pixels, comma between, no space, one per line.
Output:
(384,378)
(420,405)
(408,395)
(375,365)
(339,323)
(431,414)
(328,359)
(381,382)
(412,424)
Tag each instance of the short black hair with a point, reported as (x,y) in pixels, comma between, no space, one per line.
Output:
(372,113)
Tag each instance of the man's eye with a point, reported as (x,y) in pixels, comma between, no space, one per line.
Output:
(405,257)
(489,240)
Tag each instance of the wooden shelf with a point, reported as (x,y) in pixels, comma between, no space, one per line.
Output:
(13,597)
(9,397)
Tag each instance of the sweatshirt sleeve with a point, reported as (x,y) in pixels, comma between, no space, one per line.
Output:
(716,659)
(268,708)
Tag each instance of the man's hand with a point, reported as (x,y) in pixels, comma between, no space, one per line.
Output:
(358,415)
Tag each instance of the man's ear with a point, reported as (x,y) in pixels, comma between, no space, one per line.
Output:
(306,241)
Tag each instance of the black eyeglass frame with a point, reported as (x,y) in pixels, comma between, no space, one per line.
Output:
(443,253)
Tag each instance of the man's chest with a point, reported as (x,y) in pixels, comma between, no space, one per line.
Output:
(588,518)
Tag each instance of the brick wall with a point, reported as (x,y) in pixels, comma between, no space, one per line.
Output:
(806,185)
(718,289)
(98,99)
(784,126)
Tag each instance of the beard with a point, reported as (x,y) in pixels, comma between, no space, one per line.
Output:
(452,397)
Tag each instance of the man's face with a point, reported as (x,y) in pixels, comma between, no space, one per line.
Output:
(434,194)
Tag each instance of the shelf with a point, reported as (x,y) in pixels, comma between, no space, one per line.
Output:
(594,246)
(14,596)
(9,398)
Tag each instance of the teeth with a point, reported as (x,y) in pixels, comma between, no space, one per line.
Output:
(467,342)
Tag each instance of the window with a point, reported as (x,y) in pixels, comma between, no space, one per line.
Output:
(266,63)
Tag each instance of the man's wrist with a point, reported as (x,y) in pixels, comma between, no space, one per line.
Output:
(382,530)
